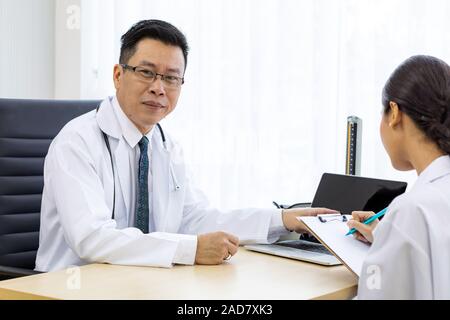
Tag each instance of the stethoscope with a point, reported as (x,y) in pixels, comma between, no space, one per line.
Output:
(108,146)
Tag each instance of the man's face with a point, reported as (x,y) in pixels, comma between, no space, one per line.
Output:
(145,102)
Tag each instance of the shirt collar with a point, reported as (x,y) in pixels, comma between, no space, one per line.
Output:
(129,131)
(436,169)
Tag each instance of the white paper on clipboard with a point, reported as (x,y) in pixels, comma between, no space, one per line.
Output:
(331,234)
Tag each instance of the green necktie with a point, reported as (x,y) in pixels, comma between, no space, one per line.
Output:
(142,210)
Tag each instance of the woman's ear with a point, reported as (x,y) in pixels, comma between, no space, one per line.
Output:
(395,115)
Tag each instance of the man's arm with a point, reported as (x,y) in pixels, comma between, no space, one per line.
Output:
(251,225)
(73,180)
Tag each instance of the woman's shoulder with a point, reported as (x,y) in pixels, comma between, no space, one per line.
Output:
(426,192)
(426,204)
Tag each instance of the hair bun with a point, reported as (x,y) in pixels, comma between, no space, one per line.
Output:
(444,112)
(424,82)
(440,133)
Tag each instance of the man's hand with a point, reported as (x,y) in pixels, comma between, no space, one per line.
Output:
(364,232)
(214,248)
(291,222)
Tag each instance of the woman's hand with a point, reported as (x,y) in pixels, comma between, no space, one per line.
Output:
(364,232)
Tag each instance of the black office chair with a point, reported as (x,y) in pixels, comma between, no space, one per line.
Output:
(26,129)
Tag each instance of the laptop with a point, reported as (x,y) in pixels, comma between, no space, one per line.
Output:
(344,193)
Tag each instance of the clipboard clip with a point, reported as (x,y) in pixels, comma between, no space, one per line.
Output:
(331,217)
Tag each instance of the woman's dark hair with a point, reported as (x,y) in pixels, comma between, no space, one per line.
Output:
(152,29)
(421,88)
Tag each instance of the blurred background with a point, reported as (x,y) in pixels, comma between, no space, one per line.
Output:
(269,83)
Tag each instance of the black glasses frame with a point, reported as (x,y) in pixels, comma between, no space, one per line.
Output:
(164,77)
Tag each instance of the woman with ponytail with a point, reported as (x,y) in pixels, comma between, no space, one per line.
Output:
(409,256)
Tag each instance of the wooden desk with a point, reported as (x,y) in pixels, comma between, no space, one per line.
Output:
(248,275)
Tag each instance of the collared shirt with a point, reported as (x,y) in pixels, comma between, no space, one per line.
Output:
(187,249)
(132,136)
(410,255)
(76,226)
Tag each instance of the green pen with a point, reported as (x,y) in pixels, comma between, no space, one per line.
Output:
(370,220)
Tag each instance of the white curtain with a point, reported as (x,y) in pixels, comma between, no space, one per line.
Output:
(270,84)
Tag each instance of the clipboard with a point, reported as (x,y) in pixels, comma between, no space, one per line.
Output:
(331,233)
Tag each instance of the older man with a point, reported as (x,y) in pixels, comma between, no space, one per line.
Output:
(115,186)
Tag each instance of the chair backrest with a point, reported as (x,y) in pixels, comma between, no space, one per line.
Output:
(27,128)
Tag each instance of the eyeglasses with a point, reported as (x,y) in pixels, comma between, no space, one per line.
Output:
(150,76)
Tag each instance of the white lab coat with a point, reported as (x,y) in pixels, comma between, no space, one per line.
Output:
(410,255)
(76,223)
